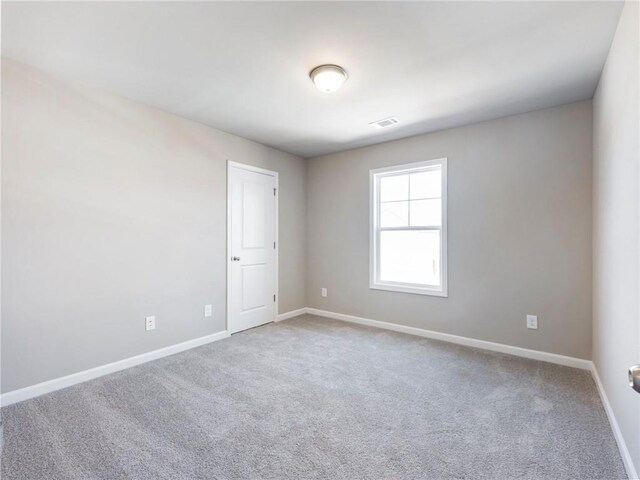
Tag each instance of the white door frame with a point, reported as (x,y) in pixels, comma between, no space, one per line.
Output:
(251,168)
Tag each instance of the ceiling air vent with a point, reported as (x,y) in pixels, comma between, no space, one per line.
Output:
(385,122)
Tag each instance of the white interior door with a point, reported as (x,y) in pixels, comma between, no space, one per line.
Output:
(252,197)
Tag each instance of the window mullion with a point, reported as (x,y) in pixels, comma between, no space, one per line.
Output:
(409,229)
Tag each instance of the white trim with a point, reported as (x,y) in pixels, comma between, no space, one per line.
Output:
(470,342)
(402,288)
(376,284)
(276,260)
(79,377)
(632,473)
(251,168)
(274,174)
(33,391)
(291,314)
(228,252)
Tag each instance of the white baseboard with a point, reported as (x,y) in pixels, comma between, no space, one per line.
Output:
(632,473)
(79,377)
(73,379)
(291,314)
(470,342)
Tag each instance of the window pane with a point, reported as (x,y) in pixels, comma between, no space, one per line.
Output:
(426,184)
(410,256)
(394,214)
(394,187)
(426,213)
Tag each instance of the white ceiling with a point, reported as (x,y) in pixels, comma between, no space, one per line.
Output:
(243,67)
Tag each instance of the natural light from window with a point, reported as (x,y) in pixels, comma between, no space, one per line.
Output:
(408,228)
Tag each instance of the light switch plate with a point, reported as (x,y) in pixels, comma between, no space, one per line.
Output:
(532,322)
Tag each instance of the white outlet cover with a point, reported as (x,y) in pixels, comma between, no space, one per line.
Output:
(208,310)
(324,292)
(150,323)
(532,322)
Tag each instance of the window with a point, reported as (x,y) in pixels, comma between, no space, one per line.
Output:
(408,237)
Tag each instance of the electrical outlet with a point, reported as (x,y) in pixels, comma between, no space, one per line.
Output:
(150,323)
(324,292)
(208,310)
(532,322)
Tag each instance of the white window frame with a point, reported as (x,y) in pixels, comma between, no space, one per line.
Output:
(374,231)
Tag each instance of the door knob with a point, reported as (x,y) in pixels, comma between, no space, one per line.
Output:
(634,377)
(235,259)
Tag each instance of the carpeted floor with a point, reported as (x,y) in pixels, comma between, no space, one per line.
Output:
(315,398)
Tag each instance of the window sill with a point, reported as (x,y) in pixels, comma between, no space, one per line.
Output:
(434,292)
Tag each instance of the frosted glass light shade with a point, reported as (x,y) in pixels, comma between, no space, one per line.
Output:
(328,78)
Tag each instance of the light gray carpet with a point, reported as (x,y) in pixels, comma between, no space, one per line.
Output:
(314,398)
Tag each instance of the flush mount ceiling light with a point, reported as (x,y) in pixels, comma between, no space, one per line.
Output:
(328,78)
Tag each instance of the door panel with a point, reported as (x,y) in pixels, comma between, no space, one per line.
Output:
(254,280)
(252,267)
(253,214)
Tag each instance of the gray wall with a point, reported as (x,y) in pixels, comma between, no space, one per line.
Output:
(112,211)
(519,231)
(616,207)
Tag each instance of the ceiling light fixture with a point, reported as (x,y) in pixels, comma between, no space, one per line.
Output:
(328,78)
